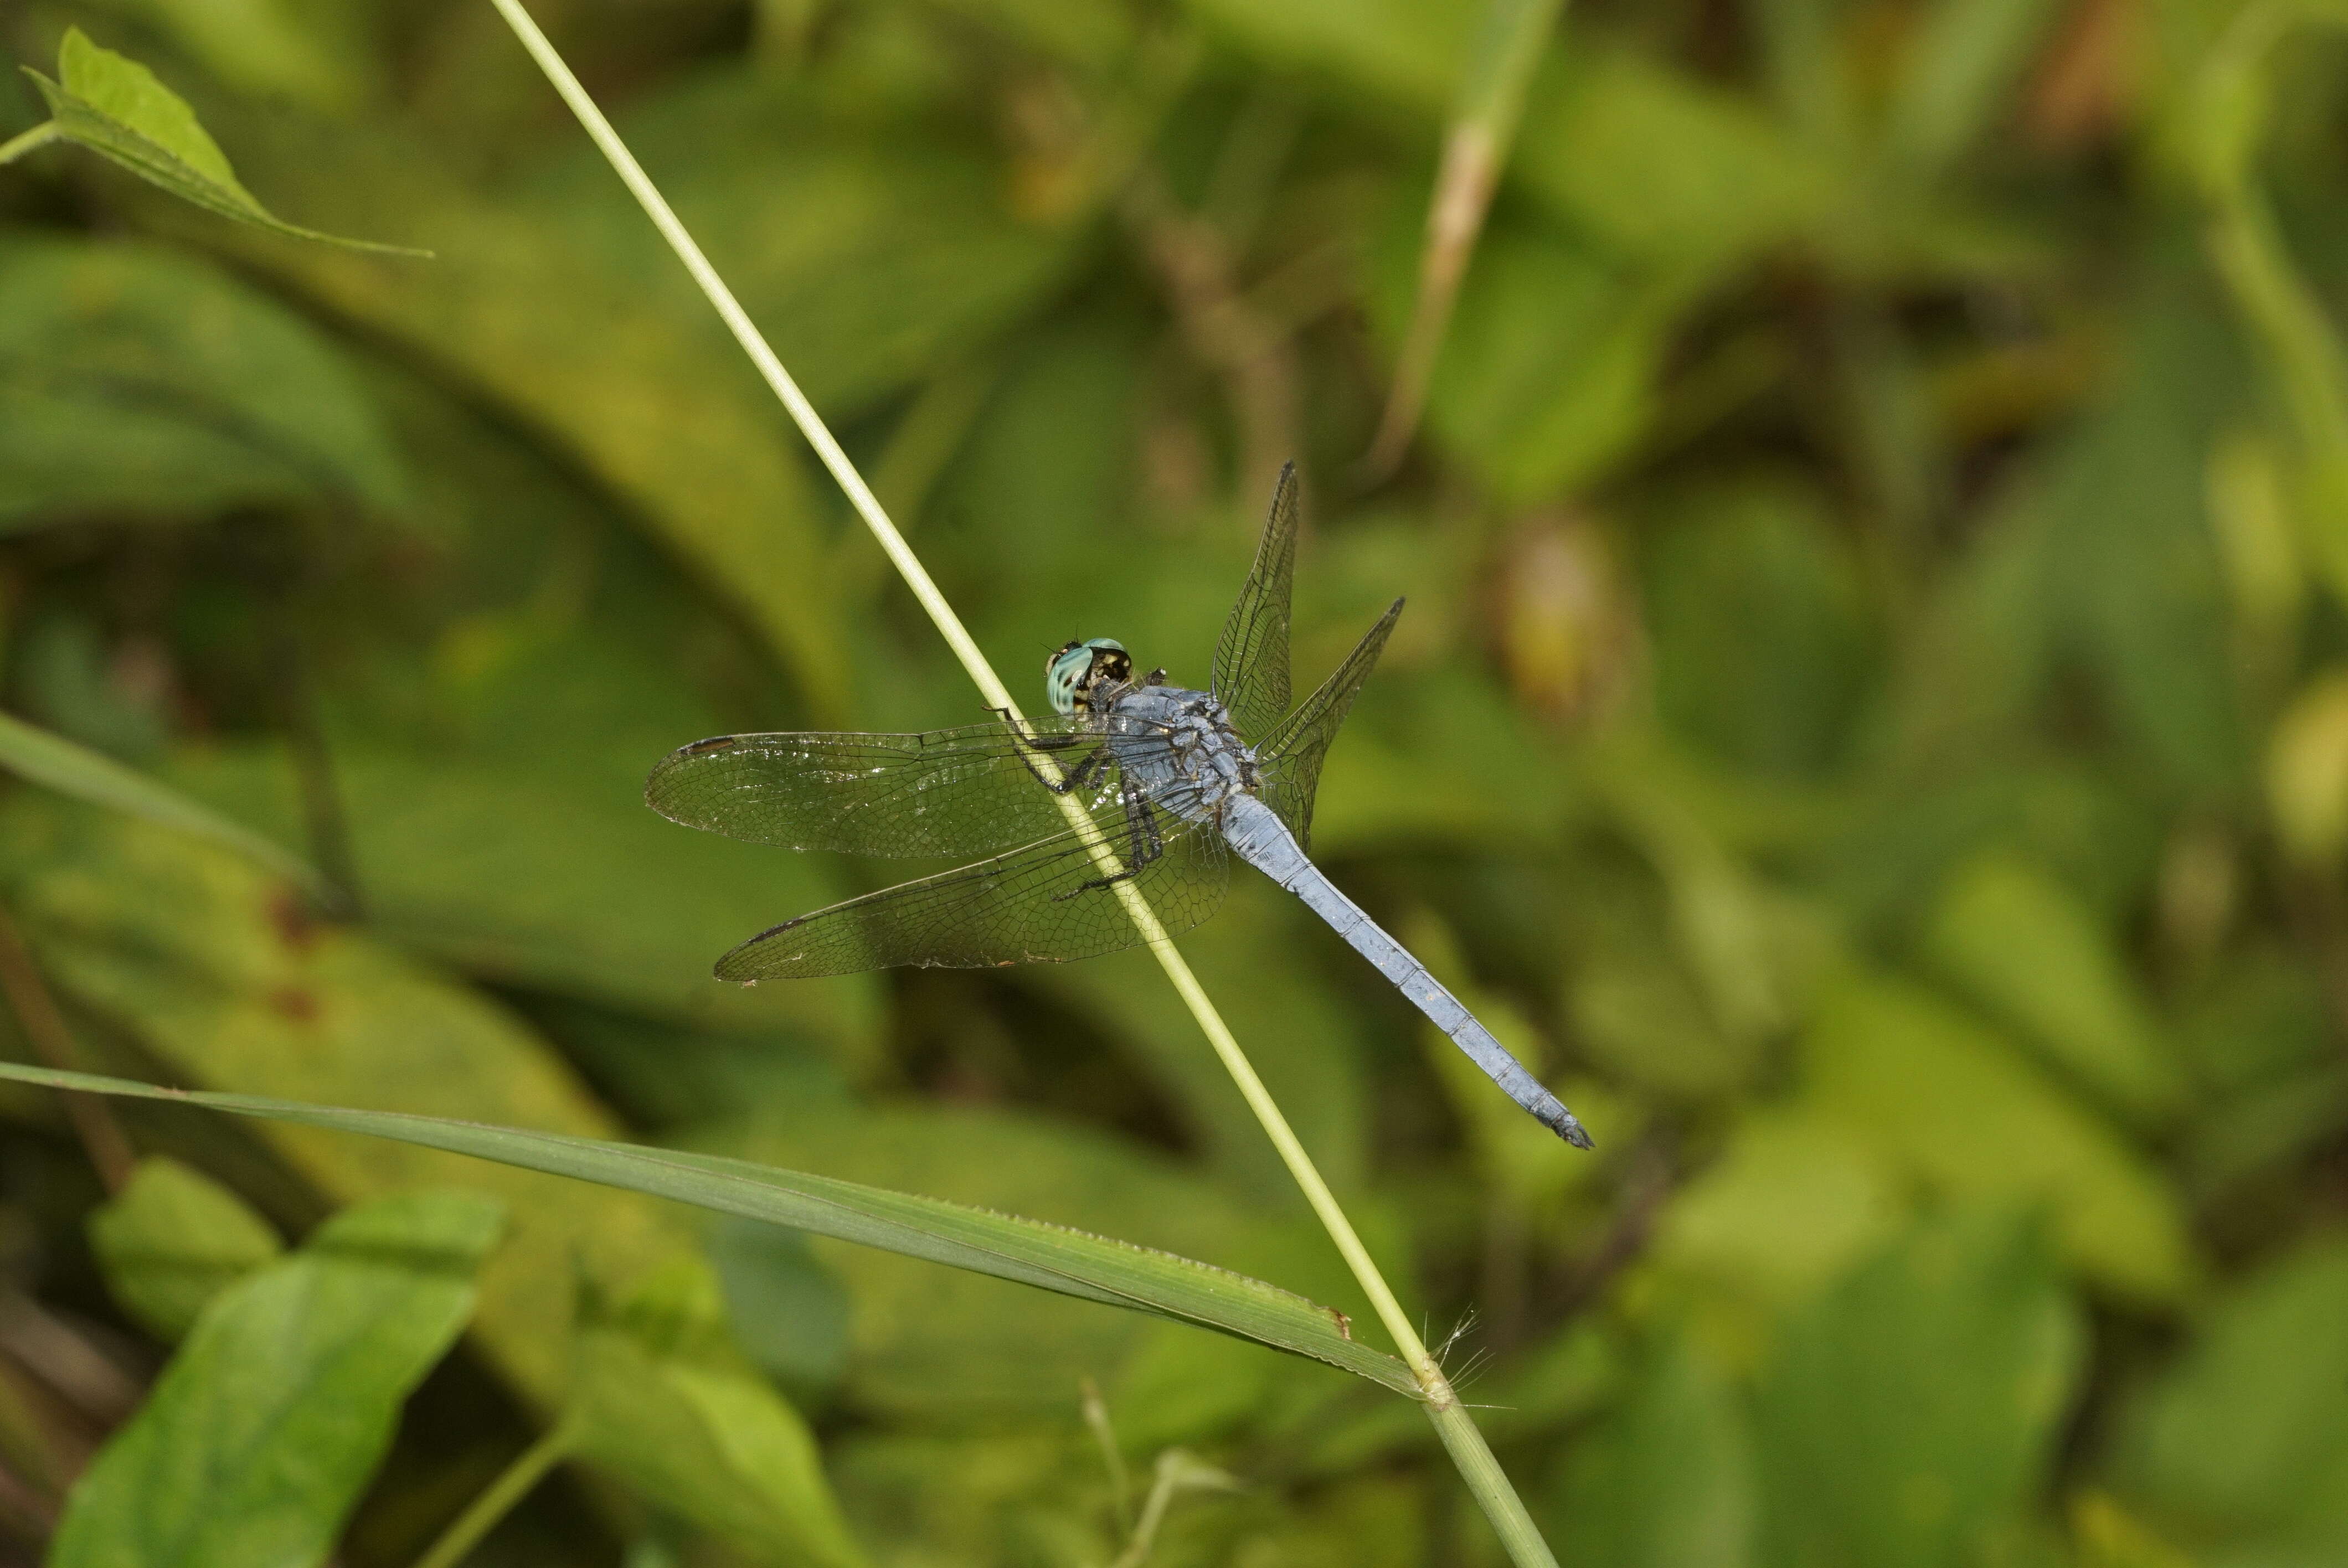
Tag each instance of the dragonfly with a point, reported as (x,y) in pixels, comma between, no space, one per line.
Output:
(1172,783)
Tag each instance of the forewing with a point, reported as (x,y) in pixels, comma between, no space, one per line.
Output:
(1031,906)
(943,792)
(1249,676)
(1289,760)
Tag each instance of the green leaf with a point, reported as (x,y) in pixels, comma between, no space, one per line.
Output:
(1029,1252)
(257,1440)
(660,1396)
(2307,771)
(871,253)
(649,396)
(1908,1415)
(1760,624)
(789,1312)
(2272,1085)
(468,849)
(1639,1013)
(1789,1206)
(172,1239)
(1940,1096)
(115,107)
(1661,166)
(219,973)
(1962,64)
(476,864)
(60,764)
(2130,559)
(2025,947)
(137,379)
(1088,33)
(323,58)
(1403,52)
(2245,1437)
(1665,1480)
(1548,374)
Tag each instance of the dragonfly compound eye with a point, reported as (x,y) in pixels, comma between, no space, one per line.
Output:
(1066,673)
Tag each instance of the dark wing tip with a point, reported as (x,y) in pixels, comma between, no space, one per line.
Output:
(754,958)
(656,782)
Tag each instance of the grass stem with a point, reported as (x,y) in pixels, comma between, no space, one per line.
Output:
(41,135)
(1458,1433)
(1483,127)
(499,1498)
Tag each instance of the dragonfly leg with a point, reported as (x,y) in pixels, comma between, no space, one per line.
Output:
(1070,778)
(1144,844)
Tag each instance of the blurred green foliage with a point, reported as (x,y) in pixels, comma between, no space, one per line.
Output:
(1872,727)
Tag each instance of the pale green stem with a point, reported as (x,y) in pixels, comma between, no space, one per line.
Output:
(1483,127)
(498,1497)
(1172,1466)
(1459,1435)
(41,135)
(1120,1487)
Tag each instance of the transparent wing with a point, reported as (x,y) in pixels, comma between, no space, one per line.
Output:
(946,792)
(1041,904)
(1289,759)
(1249,675)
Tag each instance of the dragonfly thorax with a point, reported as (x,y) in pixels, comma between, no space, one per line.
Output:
(1175,746)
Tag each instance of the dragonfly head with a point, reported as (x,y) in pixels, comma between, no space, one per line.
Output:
(1070,675)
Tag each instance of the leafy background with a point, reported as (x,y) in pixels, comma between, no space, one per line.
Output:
(1871,723)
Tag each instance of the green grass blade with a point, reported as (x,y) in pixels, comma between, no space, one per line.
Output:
(40,757)
(1029,1252)
(116,108)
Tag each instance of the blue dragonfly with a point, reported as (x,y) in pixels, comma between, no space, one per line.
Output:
(1176,781)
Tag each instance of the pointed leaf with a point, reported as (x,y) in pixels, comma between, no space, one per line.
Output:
(216,972)
(1910,1411)
(654,403)
(661,1396)
(1954,1104)
(144,380)
(2024,947)
(1030,1252)
(172,1239)
(1666,1477)
(115,108)
(60,764)
(2245,1437)
(258,1437)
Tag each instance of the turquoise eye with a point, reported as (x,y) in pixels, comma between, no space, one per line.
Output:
(1068,668)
